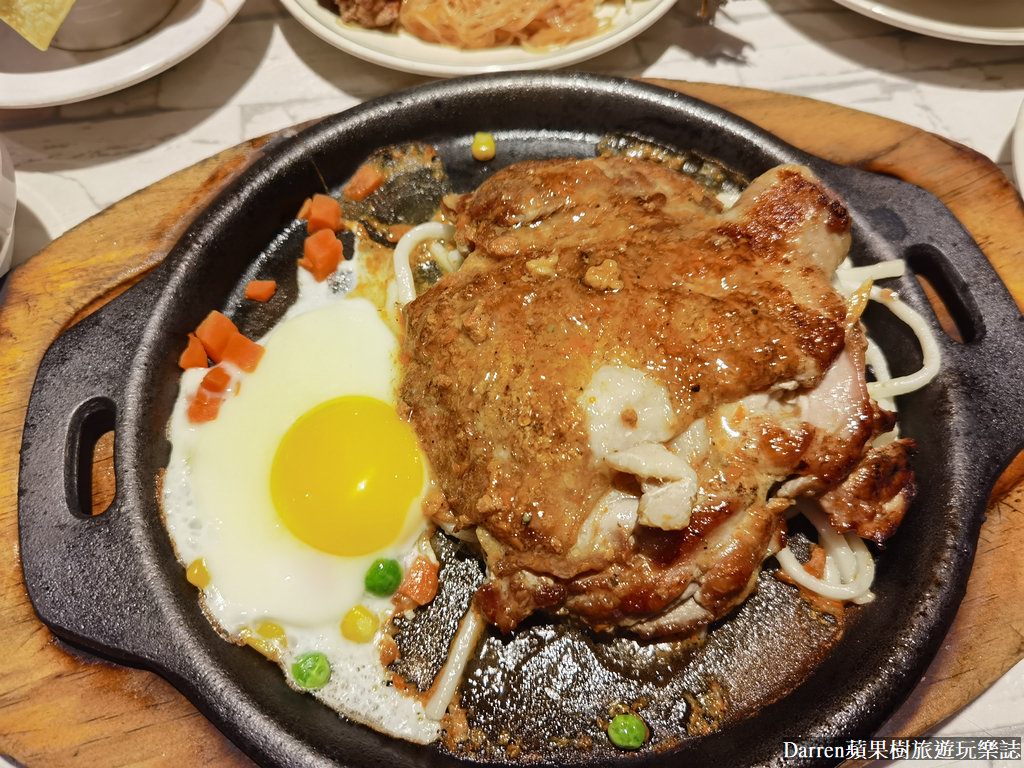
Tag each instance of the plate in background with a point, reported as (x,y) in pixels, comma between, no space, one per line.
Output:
(33,78)
(8,202)
(1017,150)
(992,22)
(404,52)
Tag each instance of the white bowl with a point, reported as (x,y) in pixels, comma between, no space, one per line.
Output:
(94,25)
(8,201)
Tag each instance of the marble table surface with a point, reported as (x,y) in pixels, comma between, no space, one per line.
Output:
(264,72)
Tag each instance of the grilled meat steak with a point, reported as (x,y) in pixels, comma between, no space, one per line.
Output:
(624,386)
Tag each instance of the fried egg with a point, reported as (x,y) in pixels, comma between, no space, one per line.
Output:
(307,476)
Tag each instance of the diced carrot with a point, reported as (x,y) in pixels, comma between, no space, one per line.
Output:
(324,213)
(260,290)
(321,254)
(214,332)
(304,209)
(420,582)
(203,407)
(388,648)
(363,183)
(243,352)
(815,565)
(194,355)
(216,380)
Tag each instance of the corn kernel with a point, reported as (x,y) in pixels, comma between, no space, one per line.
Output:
(359,625)
(272,631)
(268,646)
(483,146)
(197,574)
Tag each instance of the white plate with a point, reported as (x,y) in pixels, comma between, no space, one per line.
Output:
(33,78)
(993,22)
(1018,150)
(8,202)
(407,53)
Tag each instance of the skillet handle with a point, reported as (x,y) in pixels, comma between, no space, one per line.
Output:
(986,369)
(989,361)
(991,376)
(81,569)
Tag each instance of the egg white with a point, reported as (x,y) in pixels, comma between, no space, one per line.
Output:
(217,503)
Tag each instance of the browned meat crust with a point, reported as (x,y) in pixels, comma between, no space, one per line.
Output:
(575,265)
(873,498)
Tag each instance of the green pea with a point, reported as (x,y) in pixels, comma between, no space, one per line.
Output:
(383,577)
(311,670)
(627,731)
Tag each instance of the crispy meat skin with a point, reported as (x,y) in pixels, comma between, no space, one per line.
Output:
(574,265)
(873,498)
(372,14)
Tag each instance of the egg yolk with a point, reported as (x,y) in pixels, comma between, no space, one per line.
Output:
(345,475)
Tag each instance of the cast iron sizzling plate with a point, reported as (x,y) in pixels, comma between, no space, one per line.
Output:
(111,584)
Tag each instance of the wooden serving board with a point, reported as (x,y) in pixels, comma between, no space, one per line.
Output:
(59,706)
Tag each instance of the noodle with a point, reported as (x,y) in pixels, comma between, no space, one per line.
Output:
(929,349)
(847,280)
(849,567)
(459,655)
(472,24)
(431,231)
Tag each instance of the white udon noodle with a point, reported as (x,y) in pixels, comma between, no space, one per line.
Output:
(433,234)
(849,566)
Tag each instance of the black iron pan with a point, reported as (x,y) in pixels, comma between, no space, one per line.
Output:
(110,583)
